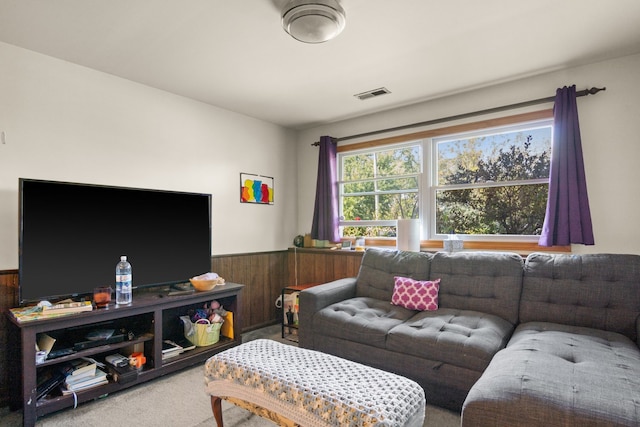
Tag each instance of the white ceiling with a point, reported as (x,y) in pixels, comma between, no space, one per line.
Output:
(234,53)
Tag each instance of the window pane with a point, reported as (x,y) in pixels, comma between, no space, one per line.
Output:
(395,206)
(517,209)
(355,208)
(373,231)
(380,207)
(503,157)
(357,166)
(399,161)
(398,184)
(379,186)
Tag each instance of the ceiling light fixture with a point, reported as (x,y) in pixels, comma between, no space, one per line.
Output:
(313,21)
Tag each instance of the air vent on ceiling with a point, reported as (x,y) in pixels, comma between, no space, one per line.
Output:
(372,93)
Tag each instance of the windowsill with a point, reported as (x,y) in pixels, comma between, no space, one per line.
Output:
(326,251)
(518,247)
(522,248)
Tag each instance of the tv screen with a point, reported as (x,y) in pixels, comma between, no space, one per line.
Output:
(72,236)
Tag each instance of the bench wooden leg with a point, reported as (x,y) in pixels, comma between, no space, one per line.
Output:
(216,406)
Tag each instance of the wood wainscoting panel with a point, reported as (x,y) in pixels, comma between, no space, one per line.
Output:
(264,276)
(8,299)
(306,265)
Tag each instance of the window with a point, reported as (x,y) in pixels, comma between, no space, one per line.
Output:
(377,187)
(490,184)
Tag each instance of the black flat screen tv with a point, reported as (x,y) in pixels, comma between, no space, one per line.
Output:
(72,236)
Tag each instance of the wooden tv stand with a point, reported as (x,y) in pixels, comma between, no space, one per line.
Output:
(152,317)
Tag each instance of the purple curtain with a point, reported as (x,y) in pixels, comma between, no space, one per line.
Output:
(568,218)
(325,213)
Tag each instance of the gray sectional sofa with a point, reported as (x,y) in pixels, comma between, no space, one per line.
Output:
(546,340)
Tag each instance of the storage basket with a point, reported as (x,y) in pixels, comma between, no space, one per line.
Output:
(202,333)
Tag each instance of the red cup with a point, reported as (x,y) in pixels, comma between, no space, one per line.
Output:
(102,296)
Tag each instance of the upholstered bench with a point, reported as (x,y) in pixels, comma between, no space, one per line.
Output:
(294,386)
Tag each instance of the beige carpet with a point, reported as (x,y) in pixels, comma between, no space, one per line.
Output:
(175,400)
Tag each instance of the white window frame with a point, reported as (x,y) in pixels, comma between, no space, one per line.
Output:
(418,176)
(431,145)
(428,178)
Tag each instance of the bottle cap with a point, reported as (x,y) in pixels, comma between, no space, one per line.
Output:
(123,258)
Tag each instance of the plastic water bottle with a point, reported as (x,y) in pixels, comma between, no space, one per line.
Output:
(123,281)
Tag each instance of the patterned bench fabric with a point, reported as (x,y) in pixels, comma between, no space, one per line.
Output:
(313,388)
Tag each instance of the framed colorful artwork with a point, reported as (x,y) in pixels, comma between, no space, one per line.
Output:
(256,189)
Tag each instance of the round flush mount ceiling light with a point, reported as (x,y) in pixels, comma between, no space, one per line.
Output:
(313,21)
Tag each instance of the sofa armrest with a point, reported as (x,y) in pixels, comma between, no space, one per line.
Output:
(315,299)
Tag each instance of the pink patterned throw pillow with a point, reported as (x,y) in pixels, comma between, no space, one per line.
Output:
(415,294)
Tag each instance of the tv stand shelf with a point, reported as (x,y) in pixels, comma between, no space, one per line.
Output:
(96,350)
(155,317)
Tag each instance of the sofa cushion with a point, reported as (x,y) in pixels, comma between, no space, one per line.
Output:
(361,319)
(467,339)
(552,374)
(380,266)
(415,294)
(480,281)
(600,291)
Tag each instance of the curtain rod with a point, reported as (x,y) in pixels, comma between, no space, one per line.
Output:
(585,92)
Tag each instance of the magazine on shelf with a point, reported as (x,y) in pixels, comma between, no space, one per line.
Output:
(65,307)
(172,348)
(185,344)
(169,346)
(35,312)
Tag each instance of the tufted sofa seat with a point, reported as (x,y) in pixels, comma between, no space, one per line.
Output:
(572,360)
(445,350)
(562,375)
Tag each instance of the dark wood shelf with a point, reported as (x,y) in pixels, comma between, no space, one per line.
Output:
(292,326)
(107,348)
(152,309)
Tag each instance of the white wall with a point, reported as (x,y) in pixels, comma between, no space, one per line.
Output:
(610,129)
(66,122)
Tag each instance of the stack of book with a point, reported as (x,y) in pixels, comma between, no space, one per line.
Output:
(84,376)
